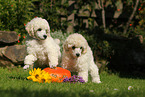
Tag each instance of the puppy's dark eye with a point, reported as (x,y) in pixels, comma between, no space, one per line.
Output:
(81,47)
(39,29)
(73,47)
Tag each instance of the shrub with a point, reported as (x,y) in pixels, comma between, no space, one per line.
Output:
(51,10)
(61,36)
(14,14)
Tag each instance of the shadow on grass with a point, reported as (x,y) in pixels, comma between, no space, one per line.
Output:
(43,93)
(55,93)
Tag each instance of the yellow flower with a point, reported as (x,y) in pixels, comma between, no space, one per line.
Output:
(46,77)
(38,75)
(34,74)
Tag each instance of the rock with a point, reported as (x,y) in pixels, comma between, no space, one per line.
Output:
(15,53)
(2,50)
(5,63)
(7,37)
(10,53)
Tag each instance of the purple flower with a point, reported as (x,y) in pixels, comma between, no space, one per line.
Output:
(74,79)
(81,80)
(66,79)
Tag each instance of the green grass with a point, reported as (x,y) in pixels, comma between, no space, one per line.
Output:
(13,83)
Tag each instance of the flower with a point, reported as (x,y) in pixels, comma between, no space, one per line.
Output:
(34,75)
(74,79)
(45,77)
(38,75)
(118,9)
(130,87)
(139,9)
(130,24)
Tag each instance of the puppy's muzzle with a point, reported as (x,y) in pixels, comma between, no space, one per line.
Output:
(45,36)
(77,54)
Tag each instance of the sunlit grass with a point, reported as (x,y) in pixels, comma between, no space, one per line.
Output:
(13,83)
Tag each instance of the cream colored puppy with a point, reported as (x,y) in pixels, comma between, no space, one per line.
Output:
(42,49)
(78,57)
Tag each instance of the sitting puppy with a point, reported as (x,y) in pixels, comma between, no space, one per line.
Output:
(77,57)
(42,49)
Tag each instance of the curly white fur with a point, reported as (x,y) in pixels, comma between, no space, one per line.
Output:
(42,49)
(77,57)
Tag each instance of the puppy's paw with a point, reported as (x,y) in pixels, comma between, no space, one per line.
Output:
(97,81)
(53,66)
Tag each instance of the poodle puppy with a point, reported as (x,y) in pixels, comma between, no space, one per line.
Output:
(77,57)
(42,49)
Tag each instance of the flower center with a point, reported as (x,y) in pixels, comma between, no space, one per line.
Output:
(36,76)
(43,80)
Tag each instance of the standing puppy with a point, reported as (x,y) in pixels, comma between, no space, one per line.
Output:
(77,57)
(42,49)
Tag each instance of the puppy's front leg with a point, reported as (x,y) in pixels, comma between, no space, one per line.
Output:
(94,72)
(53,60)
(84,75)
(29,60)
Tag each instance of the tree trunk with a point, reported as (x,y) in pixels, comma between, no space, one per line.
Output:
(131,17)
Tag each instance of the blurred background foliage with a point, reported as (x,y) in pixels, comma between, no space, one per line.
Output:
(110,23)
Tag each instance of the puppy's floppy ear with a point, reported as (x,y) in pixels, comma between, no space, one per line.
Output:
(29,29)
(66,46)
(85,48)
(48,31)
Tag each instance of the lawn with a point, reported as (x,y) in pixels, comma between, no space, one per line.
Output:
(13,83)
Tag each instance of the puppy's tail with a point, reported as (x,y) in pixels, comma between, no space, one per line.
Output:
(57,41)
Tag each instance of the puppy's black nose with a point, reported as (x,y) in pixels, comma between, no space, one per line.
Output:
(45,36)
(77,54)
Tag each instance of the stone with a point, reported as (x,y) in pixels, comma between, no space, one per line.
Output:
(8,37)
(5,63)
(2,50)
(15,53)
